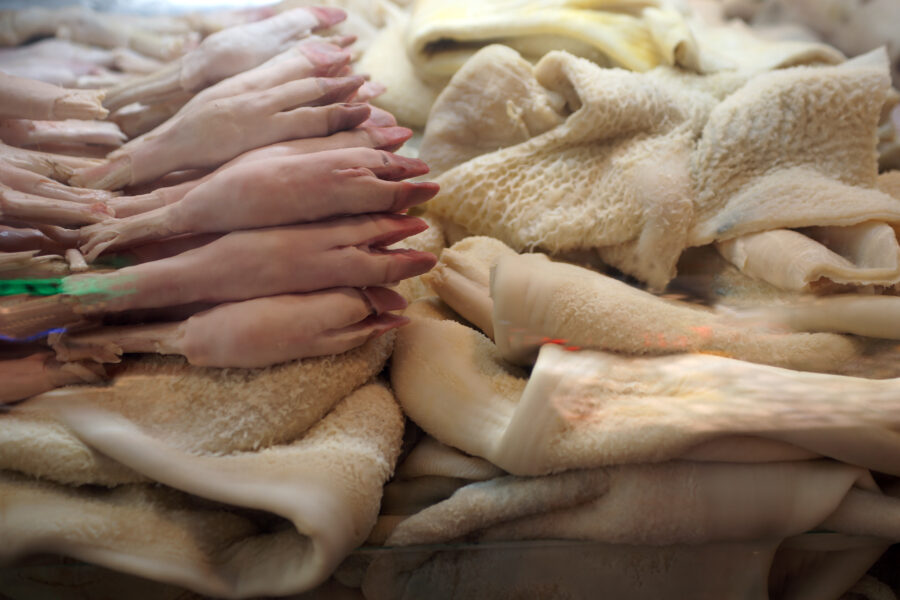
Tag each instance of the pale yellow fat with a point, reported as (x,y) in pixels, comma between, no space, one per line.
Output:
(600,32)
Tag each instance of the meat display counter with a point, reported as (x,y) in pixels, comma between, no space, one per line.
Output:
(449,299)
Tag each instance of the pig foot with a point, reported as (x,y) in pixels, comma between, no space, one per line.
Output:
(214,133)
(154,87)
(380,118)
(293,189)
(254,333)
(57,166)
(23,98)
(381,138)
(346,252)
(327,57)
(23,180)
(38,373)
(26,132)
(34,209)
(111,175)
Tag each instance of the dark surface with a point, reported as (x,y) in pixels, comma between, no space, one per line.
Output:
(49,577)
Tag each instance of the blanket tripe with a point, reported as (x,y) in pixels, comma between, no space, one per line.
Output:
(325,486)
(655,533)
(582,409)
(646,165)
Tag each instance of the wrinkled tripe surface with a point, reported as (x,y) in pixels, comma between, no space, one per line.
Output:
(646,165)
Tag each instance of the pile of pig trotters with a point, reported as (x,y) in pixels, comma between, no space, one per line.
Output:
(194,312)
